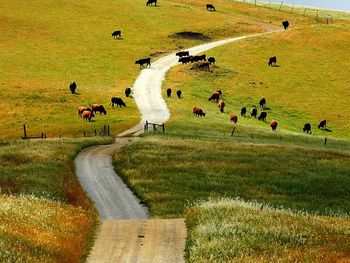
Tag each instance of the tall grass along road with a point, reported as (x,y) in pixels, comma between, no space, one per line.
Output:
(114,200)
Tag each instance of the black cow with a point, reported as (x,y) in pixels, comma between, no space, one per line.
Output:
(117,33)
(307,128)
(322,124)
(150,2)
(168,92)
(262,103)
(262,116)
(127,92)
(73,87)
(210,7)
(211,60)
(143,61)
(198,58)
(254,112)
(243,111)
(185,60)
(118,101)
(285,24)
(272,60)
(178,93)
(182,54)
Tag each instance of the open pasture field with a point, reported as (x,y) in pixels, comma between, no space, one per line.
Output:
(46,45)
(308,84)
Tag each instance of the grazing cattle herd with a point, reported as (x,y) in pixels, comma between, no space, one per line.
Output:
(87,113)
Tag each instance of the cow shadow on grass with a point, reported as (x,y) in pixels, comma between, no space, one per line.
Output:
(119,38)
(266,108)
(327,130)
(275,66)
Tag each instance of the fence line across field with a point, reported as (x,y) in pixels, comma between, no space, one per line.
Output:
(320,15)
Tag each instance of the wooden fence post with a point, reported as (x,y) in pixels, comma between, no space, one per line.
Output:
(84,133)
(163,127)
(281,6)
(108,130)
(25,131)
(234,128)
(325,141)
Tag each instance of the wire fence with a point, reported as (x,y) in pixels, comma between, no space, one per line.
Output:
(321,15)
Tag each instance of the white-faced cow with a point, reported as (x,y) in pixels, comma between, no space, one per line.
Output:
(210,7)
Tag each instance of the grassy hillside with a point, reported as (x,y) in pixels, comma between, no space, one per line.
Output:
(236,231)
(47,217)
(308,85)
(45,45)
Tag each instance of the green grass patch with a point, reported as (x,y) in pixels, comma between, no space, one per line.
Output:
(231,230)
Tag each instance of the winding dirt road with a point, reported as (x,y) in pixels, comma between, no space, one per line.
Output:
(125,233)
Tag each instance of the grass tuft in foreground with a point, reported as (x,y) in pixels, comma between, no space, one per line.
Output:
(231,230)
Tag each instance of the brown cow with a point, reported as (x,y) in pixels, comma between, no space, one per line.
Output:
(221,105)
(322,124)
(81,110)
(273,125)
(219,91)
(262,116)
(204,66)
(233,118)
(98,108)
(215,96)
(198,112)
(87,115)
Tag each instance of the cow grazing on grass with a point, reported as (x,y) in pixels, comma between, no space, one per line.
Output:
(243,111)
(307,128)
(262,103)
(118,101)
(262,116)
(211,60)
(233,118)
(273,125)
(221,106)
(144,61)
(198,112)
(150,2)
(322,124)
(215,96)
(199,58)
(117,33)
(178,93)
(253,112)
(210,7)
(204,66)
(87,115)
(219,91)
(285,24)
(185,60)
(183,54)
(127,92)
(81,110)
(98,108)
(168,92)
(272,61)
(73,87)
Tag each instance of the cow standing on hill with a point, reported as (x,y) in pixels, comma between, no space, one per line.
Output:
(98,108)
(150,2)
(81,110)
(272,61)
(127,92)
(262,103)
(221,106)
(210,7)
(215,96)
(307,128)
(118,101)
(253,112)
(273,125)
(144,61)
(117,33)
(322,124)
(285,24)
(262,116)
(199,58)
(204,66)
(168,92)
(211,60)
(178,93)
(243,111)
(87,115)
(233,118)
(198,112)
(183,54)
(185,60)
(73,87)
